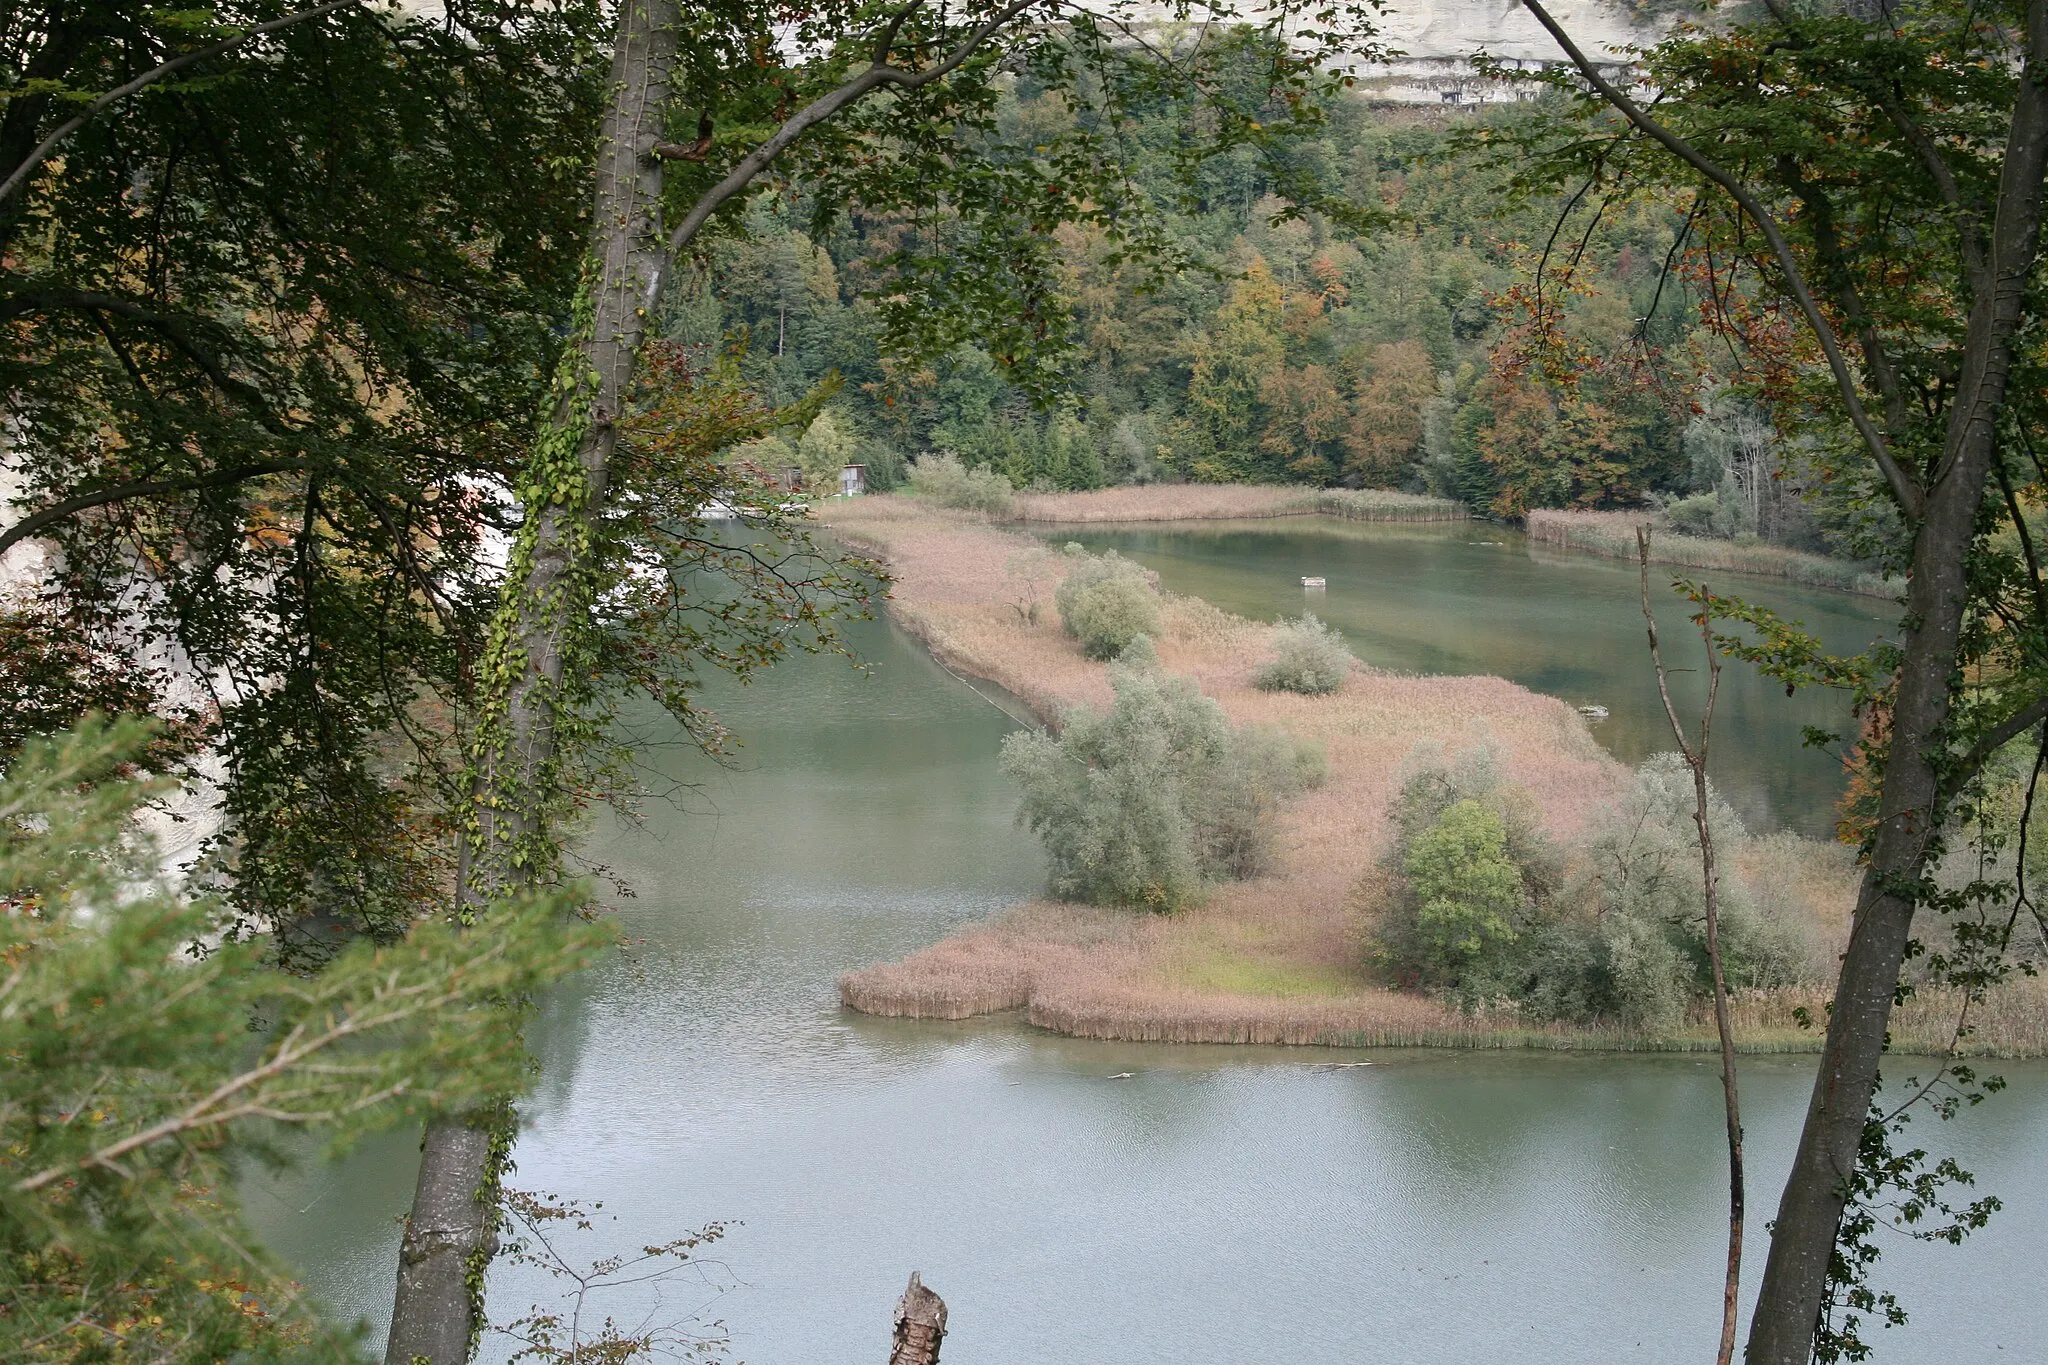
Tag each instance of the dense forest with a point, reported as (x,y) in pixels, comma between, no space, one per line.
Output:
(1389,351)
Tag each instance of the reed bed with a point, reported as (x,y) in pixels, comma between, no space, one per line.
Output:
(1613,534)
(1380,504)
(1229,502)
(1278,959)
(1164,502)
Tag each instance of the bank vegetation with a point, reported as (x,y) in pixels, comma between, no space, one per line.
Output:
(1466,867)
(1613,535)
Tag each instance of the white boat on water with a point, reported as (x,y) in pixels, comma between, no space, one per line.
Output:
(1314,583)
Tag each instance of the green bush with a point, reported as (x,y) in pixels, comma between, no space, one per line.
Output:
(1308,657)
(1468,893)
(1487,915)
(1105,602)
(1474,871)
(945,481)
(1149,802)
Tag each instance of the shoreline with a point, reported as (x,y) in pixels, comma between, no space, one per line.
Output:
(1611,535)
(1603,535)
(1278,960)
(1133,503)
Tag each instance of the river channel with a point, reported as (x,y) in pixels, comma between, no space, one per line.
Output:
(1213,1205)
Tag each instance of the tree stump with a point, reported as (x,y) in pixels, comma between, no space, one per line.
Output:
(920,1325)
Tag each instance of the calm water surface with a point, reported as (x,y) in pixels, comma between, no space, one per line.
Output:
(1222,1205)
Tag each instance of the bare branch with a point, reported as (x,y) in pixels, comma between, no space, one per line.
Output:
(1902,485)
(63,130)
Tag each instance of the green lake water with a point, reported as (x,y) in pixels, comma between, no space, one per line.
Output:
(1218,1205)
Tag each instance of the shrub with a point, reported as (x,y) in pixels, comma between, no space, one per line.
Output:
(1475,872)
(1623,939)
(1239,817)
(1645,865)
(1699,515)
(1147,803)
(1105,602)
(943,479)
(1308,657)
(1468,893)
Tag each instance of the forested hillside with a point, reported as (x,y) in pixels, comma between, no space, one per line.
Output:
(1393,351)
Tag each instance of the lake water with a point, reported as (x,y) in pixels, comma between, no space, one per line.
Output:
(1220,1204)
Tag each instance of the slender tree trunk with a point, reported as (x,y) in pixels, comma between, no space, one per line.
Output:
(1710,883)
(1810,1212)
(451,1235)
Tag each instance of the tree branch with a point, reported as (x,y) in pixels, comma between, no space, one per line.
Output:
(1976,257)
(818,111)
(1902,485)
(2001,734)
(63,130)
(1834,264)
(147,488)
(176,330)
(888,38)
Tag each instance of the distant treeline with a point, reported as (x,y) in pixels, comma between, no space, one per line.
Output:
(1296,349)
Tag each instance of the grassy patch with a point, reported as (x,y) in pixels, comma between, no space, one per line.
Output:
(1223,971)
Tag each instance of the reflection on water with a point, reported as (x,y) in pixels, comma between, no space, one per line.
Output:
(1221,1205)
(1477,599)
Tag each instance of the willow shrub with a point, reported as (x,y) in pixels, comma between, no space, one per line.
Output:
(1152,801)
(942,479)
(1308,657)
(1490,912)
(1106,602)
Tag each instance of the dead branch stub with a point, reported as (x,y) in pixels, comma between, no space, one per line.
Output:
(920,1325)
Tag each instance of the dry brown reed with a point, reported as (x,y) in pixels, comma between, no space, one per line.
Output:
(1163,502)
(1382,504)
(1279,959)
(1613,534)
(1229,502)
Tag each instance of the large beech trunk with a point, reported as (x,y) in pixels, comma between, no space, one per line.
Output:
(1810,1213)
(450,1235)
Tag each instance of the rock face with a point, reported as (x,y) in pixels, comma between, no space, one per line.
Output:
(1438,39)
(1457,29)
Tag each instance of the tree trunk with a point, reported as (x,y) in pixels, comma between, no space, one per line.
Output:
(1810,1212)
(450,1237)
